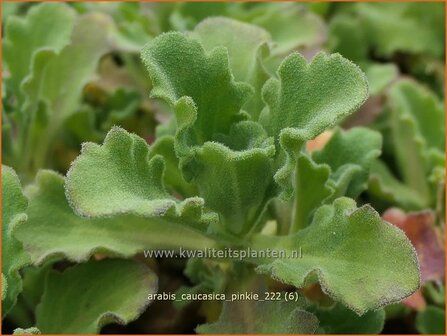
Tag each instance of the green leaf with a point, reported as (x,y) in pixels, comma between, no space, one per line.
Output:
(49,97)
(360,260)
(305,30)
(77,60)
(54,231)
(306,100)
(246,53)
(209,141)
(46,26)
(340,320)
(187,14)
(380,76)
(118,177)
(208,276)
(99,293)
(350,154)
(384,185)
(246,175)
(255,317)
(173,178)
(411,27)
(27,331)
(346,38)
(14,258)
(311,97)
(416,123)
(414,101)
(431,321)
(311,189)
(198,85)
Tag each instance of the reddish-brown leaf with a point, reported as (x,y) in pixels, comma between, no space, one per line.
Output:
(425,237)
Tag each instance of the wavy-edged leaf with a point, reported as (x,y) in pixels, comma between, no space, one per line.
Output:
(256,317)
(118,177)
(14,257)
(360,260)
(55,231)
(347,36)
(350,154)
(197,83)
(311,97)
(98,293)
(246,53)
(236,183)
(207,103)
(305,101)
(48,25)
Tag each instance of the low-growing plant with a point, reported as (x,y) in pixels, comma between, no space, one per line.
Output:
(253,160)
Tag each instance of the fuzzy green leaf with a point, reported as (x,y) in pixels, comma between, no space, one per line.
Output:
(208,109)
(55,231)
(311,97)
(48,26)
(99,293)
(340,320)
(347,37)
(246,176)
(119,178)
(349,154)
(246,53)
(360,260)
(198,84)
(261,317)
(311,189)
(173,177)
(14,205)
